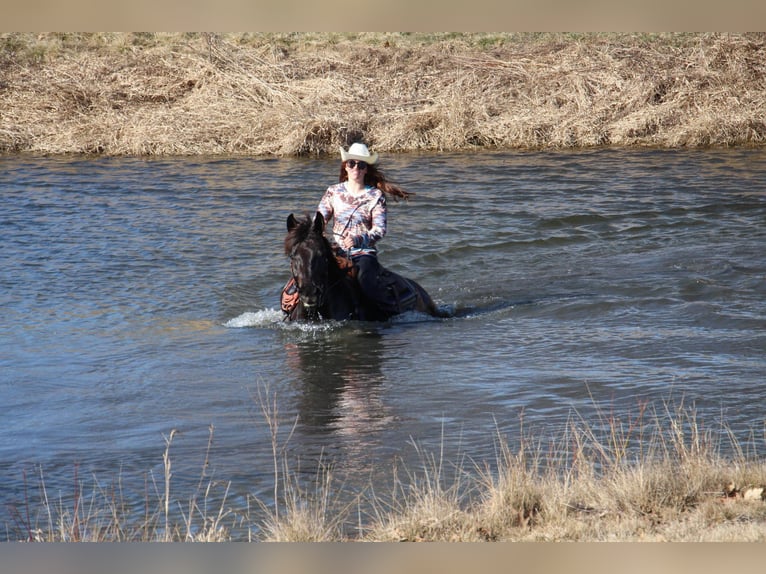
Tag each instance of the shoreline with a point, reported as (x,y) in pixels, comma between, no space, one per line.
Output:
(587,485)
(305,94)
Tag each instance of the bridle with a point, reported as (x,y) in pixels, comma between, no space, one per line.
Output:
(321,289)
(297,277)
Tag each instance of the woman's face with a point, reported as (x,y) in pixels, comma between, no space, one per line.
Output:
(356,170)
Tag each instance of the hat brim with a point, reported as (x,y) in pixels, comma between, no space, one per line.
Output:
(370,159)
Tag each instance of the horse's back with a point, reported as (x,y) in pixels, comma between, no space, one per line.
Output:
(405,294)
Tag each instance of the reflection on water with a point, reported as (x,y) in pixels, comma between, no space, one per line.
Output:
(340,394)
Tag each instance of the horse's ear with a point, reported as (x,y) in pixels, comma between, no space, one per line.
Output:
(318,223)
(291,222)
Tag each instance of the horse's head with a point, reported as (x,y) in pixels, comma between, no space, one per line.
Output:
(310,255)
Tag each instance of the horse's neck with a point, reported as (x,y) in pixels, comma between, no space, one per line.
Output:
(335,275)
(334,272)
(342,298)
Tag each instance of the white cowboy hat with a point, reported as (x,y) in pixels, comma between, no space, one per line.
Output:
(359,151)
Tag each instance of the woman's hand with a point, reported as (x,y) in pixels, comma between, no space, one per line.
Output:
(347,241)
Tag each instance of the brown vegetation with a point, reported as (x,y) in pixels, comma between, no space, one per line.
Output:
(305,94)
(655,477)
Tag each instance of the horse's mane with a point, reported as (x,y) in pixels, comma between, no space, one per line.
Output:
(302,232)
(297,234)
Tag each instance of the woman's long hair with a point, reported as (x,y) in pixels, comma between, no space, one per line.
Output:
(375,178)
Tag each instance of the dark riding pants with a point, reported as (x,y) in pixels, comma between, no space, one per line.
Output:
(368,276)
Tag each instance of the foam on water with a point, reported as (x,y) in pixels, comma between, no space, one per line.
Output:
(268,318)
(274,318)
(263,318)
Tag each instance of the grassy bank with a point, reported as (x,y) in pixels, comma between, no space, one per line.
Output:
(305,94)
(657,476)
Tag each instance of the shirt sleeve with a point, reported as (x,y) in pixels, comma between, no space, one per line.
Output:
(379,214)
(325,205)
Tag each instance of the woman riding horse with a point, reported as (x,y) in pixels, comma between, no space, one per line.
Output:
(356,205)
(324,289)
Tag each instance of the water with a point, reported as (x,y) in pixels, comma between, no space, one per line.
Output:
(141,295)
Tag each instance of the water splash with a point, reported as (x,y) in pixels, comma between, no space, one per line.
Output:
(263,318)
(274,318)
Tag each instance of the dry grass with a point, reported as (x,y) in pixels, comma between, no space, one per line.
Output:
(305,94)
(101,512)
(654,477)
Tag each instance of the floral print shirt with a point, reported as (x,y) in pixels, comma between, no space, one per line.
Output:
(362,216)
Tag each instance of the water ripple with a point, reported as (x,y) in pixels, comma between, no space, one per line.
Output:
(141,295)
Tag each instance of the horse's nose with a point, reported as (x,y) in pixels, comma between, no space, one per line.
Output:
(311,297)
(310,301)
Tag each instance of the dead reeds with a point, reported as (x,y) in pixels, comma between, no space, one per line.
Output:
(656,475)
(305,94)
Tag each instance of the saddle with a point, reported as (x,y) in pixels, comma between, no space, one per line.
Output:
(396,293)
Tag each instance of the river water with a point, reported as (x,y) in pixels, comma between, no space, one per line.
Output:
(140,296)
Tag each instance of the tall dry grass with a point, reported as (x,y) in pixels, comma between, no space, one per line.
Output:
(657,478)
(660,475)
(305,94)
(98,511)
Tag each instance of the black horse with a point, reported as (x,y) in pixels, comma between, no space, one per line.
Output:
(326,291)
